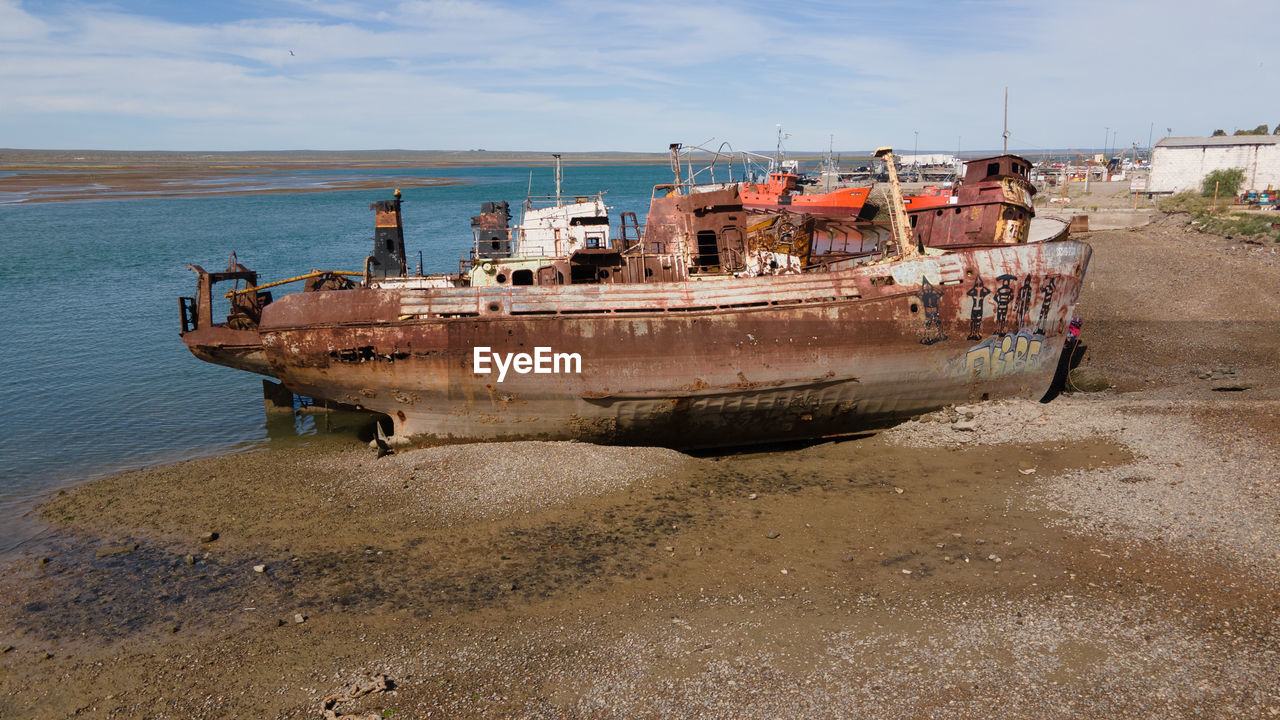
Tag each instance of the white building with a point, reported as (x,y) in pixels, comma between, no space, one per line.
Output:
(1181,163)
(925,159)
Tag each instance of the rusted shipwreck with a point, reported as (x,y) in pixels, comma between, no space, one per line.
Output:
(706,326)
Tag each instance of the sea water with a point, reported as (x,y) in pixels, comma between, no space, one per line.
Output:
(95,378)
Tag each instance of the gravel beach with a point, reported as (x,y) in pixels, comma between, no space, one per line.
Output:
(1108,554)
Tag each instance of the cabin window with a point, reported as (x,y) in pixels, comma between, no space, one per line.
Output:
(993,169)
(502,278)
(582,275)
(708,248)
(522,277)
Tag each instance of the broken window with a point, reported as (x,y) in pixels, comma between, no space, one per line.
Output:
(708,249)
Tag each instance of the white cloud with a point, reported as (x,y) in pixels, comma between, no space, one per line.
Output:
(582,75)
(17,24)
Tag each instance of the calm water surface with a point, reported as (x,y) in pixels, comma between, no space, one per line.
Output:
(94,377)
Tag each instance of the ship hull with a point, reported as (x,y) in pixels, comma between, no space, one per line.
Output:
(693,364)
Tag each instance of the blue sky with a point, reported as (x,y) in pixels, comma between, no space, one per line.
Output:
(590,75)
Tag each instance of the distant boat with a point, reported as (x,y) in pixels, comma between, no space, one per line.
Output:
(780,192)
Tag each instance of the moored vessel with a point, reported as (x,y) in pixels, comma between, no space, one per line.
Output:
(703,327)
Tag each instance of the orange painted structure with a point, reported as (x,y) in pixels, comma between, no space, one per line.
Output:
(780,193)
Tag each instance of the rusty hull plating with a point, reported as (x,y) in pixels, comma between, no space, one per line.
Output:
(705,332)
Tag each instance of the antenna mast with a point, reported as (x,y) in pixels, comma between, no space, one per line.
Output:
(674,148)
(559,177)
(1006,120)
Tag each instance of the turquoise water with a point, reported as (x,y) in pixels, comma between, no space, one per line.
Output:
(94,376)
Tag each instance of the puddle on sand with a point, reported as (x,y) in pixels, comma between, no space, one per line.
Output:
(854,514)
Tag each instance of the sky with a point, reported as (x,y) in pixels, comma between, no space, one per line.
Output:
(594,75)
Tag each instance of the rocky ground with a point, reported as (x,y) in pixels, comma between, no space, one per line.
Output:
(1110,554)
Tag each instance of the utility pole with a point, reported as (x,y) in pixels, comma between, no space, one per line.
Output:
(1106,139)
(1065,164)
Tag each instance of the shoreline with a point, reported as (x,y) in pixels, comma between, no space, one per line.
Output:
(1104,554)
(32,187)
(28,177)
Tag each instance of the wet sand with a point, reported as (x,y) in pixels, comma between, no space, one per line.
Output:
(30,176)
(117,183)
(1104,555)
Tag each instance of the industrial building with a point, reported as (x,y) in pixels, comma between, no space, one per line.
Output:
(1181,163)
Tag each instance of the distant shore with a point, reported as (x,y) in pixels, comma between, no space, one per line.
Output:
(16,158)
(32,176)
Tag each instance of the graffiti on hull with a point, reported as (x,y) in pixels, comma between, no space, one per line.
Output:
(1046,293)
(1004,295)
(930,294)
(1003,355)
(978,294)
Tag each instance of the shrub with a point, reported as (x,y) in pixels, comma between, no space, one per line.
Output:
(1227,182)
(1241,225)
(1260,130)
(1188,202)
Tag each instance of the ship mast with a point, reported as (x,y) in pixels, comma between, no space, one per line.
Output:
(675,166)
(898,223)
(559,177)
(780,155)
(1006,120)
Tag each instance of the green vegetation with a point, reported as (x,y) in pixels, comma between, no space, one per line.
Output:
(1260,130)
(1223,221)
(1241,225)
(1222,183)
(1187,202)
